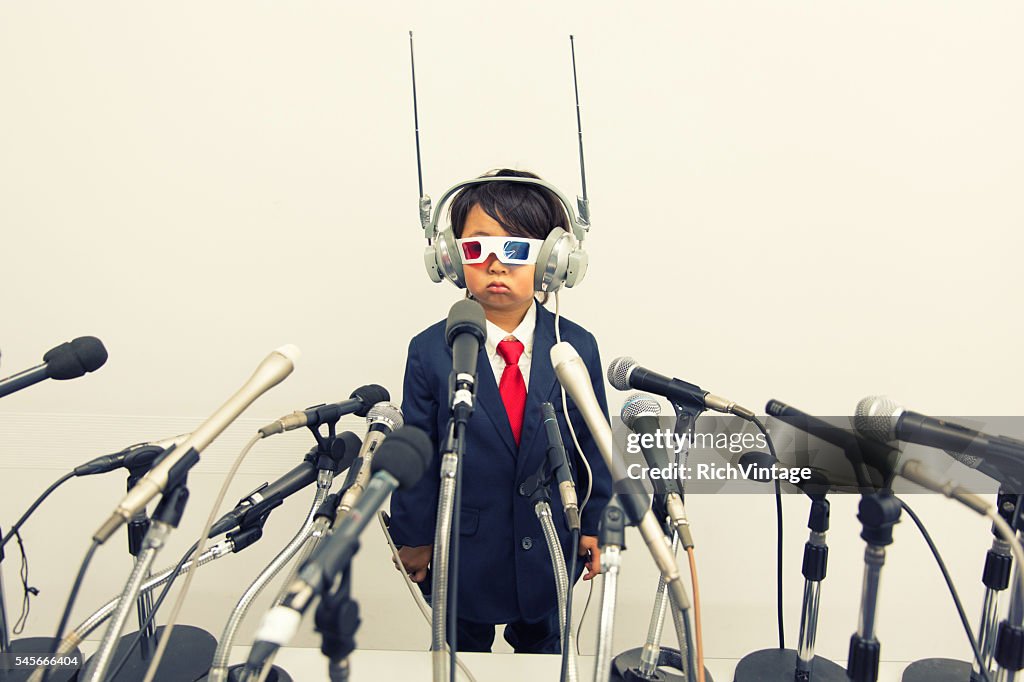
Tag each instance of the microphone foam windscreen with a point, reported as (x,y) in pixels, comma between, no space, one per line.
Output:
(345,449)
(370,394)
(405,455)
(466,316)
(73,359)
(637,405)
(618,372)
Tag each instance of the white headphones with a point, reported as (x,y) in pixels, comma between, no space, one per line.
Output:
(561,260)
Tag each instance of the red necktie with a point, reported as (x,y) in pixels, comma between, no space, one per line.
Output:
(512,386)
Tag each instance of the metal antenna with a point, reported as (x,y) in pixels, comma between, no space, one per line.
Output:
(582,202)
(416,116)
(424,199)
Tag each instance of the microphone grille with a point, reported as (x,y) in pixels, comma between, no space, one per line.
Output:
(639,405)
(387,413)
(619,370)
(876,418)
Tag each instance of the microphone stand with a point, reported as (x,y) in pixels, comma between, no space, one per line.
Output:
(444,606)
(337,619)
(801,665)
(1009,651)
(612,537)
(536,488)
(652,661)
(192,664)
(327,466)
(878,512)
(5,637)
(189,642)
(996,578)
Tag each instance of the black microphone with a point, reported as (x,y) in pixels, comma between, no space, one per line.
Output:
(343,451)
(465,331)
(624,373)
(360,402)
(884,420)
(69,360)
(559,464)
(859,451)
(399,463)
(135,456)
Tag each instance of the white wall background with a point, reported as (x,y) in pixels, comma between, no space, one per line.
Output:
(809,201)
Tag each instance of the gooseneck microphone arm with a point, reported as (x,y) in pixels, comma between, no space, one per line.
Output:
(328,464)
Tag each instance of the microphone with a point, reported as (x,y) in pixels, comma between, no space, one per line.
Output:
(859,451)
(624,373)
(572,374)
(360,402)
(268,496)
(884,420)
(401,462)
(559,463)
(272,371)
(383,418)
(69,360)
(140,454)
(640,415)
(465,332)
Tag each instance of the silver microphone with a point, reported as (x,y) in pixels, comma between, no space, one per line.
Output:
(383,418)
(272,371)
(572,374)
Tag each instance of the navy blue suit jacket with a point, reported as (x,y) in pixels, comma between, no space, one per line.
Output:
(505,572)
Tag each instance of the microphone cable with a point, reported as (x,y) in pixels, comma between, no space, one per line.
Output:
(949,583)
(39,500)
(69,605)
(200,546)
(778,545)
(565,411)
(417,596)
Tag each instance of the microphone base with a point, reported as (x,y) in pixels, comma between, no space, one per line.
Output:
(40,646)
(275,675)
(939,670)
(779,665)
(626,666)
(188,657)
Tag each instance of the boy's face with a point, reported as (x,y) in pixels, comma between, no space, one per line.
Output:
(495,285)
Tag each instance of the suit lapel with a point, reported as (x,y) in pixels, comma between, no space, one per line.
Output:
(542,378)
(489,400)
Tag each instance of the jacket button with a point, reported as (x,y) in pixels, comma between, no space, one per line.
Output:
(527,543)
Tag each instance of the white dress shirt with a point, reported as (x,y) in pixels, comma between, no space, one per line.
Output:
(523,333)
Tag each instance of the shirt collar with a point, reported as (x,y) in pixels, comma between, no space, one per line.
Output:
(523,333)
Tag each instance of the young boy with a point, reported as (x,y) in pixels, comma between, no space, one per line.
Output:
(505,573)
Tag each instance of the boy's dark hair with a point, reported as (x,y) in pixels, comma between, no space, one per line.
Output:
(523,210)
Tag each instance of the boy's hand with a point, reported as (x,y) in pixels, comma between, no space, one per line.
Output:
(415,561)
(592,551)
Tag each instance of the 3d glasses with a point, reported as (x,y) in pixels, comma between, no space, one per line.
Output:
(509,250)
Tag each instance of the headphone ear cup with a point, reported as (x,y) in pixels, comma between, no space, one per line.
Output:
(552,261)
(578,260)
(449,258)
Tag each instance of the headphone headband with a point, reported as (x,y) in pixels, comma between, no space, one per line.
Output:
(579,226)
